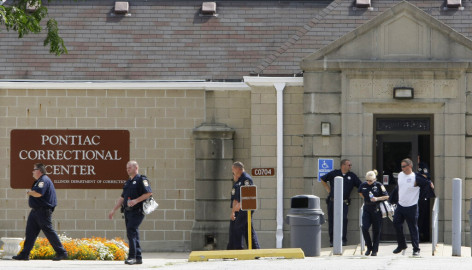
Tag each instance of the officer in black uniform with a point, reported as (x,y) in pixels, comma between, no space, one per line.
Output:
(350,181)
(373,192)
(135,191)
(42,200)
(424,207)
(238,227)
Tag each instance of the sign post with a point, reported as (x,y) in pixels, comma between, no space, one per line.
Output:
(325,165)
(249,203)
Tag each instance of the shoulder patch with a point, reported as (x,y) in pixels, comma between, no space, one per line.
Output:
(41,184)
(233,191)
(146,183)
(383,188)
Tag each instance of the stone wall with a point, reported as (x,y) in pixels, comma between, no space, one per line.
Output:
(160,124)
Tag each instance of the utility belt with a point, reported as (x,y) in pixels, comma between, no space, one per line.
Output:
(346,201)
(43,209)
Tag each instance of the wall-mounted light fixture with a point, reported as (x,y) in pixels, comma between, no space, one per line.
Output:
(403,93)
(325,128)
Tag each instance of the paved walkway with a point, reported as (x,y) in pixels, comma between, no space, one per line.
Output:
(351,260)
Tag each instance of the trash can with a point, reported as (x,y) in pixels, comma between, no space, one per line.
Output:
(305,218)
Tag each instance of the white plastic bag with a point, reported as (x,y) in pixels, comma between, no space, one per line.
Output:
(149,205)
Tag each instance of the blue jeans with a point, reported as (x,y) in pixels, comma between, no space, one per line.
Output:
(410,214)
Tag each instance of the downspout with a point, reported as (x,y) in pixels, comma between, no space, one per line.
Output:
(279,234)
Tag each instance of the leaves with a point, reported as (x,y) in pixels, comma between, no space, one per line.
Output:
(17,17)
(56,42)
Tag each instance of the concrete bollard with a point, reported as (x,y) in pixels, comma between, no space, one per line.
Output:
(456,216)
(470,224)
(338,216)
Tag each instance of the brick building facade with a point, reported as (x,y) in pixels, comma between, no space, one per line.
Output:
(188,87)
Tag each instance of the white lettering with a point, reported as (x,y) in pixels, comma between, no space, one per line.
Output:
(70,140)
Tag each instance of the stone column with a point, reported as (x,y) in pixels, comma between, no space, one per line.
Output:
(213,182)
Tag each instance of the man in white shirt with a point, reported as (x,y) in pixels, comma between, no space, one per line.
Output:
(409,184)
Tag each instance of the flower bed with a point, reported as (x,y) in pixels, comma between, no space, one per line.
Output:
(95,248)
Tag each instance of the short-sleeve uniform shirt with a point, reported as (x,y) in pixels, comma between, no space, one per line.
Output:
(244,180)
(350,180)
(45,187)
(136,187)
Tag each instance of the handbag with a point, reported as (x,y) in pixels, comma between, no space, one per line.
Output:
(387,209)
(149,205)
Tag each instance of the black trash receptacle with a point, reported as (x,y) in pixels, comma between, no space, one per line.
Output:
(305,218)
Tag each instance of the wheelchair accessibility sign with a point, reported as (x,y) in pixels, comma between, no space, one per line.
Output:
(324,167)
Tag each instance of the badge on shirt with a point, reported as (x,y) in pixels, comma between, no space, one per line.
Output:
(348,178)
(134,182)
(425,170)
(383,188)
(146,183)
(41,184)
(246,183)
(374,189)
(233,191)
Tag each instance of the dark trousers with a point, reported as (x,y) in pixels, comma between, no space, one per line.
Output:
(424,217)
(371,216)
(410,214)
(331,218)
(238,232)
(133,219)
(40,220)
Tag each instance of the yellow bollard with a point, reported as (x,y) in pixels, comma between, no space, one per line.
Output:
(249,229)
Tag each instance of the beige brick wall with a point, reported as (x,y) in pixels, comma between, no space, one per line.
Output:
(264,155)
(160,124)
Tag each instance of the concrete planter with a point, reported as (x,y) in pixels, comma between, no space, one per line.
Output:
(11,247)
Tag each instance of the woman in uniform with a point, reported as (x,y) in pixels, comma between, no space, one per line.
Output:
(373,193)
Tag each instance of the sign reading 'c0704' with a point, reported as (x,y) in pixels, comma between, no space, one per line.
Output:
(74,159)
(262,171)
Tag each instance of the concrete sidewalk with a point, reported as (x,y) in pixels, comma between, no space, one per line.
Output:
(351,259)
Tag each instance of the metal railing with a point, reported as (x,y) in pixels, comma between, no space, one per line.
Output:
(435,225)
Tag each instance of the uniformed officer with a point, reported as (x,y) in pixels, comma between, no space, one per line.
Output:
(373,192)
(135,191)
(42,200)
(350,180)
(238,227)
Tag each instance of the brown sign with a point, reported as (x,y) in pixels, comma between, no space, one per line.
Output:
(248,197)
(74,159)
(263,171)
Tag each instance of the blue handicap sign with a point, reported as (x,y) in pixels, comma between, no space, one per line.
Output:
(324,166)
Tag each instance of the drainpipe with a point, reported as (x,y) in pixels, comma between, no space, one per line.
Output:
(279,234)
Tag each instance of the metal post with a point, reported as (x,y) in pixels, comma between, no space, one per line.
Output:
(338,216)
(249,228)
(470,224)
(360,227)
(456,216)
(434,222)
